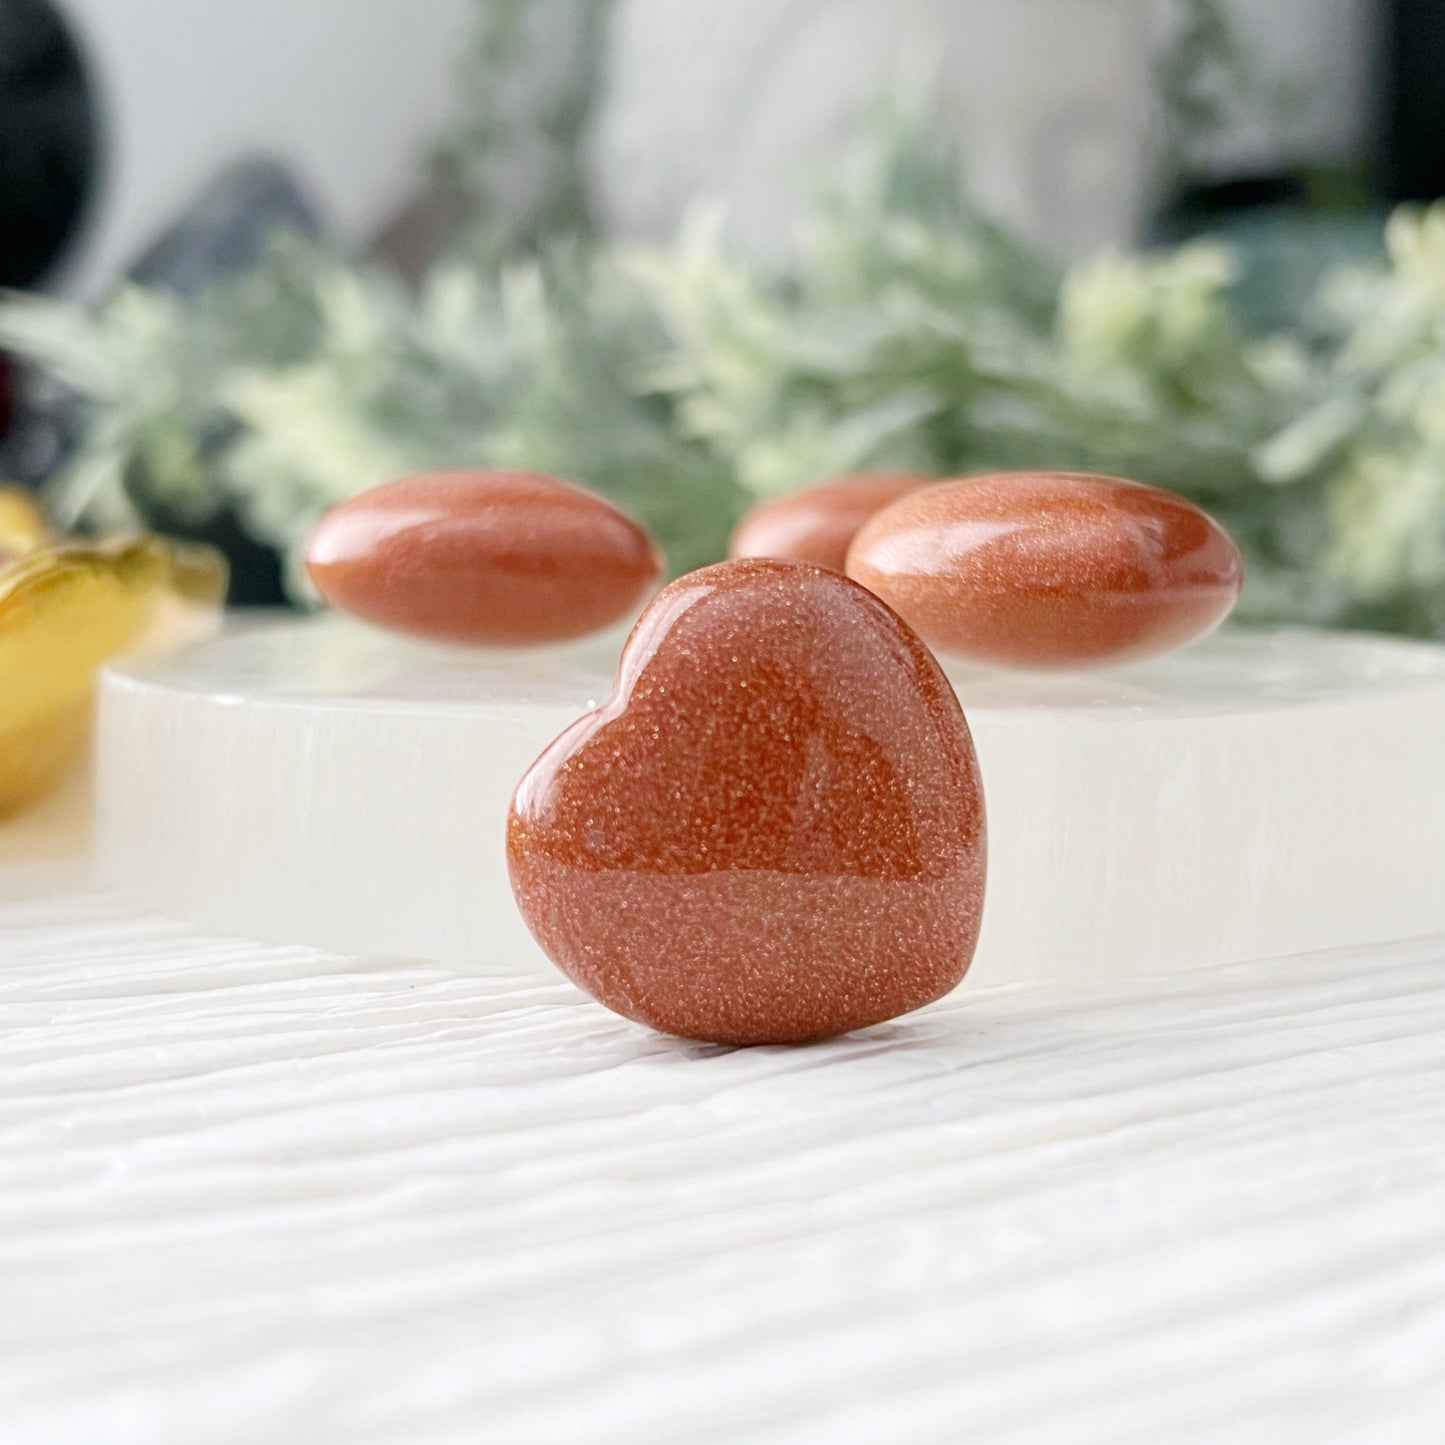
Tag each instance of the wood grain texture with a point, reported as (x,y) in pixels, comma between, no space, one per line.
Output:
(257,1194)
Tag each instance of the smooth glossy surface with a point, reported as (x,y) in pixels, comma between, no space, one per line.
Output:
(818,524)
(1050,569)
(498,558)
(774,831)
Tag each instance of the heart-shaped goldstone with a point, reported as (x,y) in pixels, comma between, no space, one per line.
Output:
(774,830)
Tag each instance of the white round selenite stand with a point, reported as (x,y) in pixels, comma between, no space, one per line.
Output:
(1258,795)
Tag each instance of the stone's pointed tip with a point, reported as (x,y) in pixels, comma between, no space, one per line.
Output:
(774,832)
(485,557)
(1050,569)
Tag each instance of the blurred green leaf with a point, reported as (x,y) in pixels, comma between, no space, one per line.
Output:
(911,331)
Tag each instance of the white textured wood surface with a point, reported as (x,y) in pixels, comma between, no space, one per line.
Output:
(257,1194)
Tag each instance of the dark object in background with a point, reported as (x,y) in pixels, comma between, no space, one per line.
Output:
(1291,225)
(410,241)
(256,573)
(226,228)
(9,386)
(49,140)
(50,156)
(223,232)
(1412,101)
(1285,236)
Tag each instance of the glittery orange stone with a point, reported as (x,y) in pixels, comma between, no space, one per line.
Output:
(774,830)
(819,523)
(1049,569)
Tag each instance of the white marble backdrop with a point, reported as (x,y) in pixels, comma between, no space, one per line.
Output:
(1052,102)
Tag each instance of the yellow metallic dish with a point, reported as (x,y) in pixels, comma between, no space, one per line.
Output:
(66,609)
(22,523)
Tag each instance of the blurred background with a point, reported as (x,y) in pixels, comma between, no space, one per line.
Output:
(259,257)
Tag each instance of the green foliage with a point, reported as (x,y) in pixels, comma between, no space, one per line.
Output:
(912,331)
(915,333)
(287,390)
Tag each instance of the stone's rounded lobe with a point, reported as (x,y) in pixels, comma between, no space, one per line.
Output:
(819,523)
(492,557)
(774,830)
(1050,569)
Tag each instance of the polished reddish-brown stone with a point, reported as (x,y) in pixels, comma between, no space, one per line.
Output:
(1049,569)
(500,558)
(818,523)
(774,830)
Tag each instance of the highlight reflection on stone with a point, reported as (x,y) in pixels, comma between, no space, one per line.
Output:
(490,557)
(819,523)
(1050,569)
(774,830)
